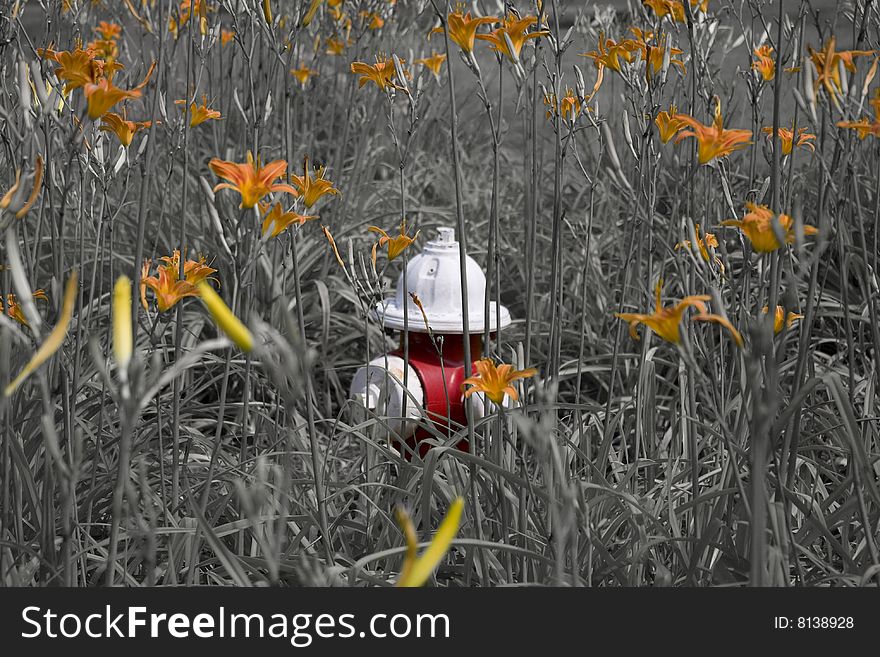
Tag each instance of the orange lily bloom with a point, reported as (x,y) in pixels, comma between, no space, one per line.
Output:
(705,241)
(302,74)
(668,124)
(250,179)
(17,200)
(123,129)
(335,46)
(78,67)
(105,48)
(198,114)
(185,12)
(764,63)
(312,189)
(382,73)
(666,322)
(103,95)
(167,286)
(495,381)
(786,137)
(757,225)
(653,50)
(375,20)
(864,127)
(226,36)
(463,28)
(569,107)
(671,8)
(109,31)
(779,318)
(396,245)
(14,310)
(609,53)
(276,220)
(433,63)
(714,140)
(827,62)
(514,28)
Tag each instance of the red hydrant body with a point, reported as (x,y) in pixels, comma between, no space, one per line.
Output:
(441,381)
(428,402)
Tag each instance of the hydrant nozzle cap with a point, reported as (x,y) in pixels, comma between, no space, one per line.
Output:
(434,276)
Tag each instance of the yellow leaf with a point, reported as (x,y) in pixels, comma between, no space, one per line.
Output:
(53,341)
(225,318)
(416,572)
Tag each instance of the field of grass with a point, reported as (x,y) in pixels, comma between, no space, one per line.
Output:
(640,183)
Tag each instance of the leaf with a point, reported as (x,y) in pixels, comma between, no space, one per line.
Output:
(416,573)
(53,341)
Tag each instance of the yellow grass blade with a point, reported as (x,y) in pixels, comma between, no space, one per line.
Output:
(421,570)
(53,341)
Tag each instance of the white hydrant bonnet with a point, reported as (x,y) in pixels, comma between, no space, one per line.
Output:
(434,276)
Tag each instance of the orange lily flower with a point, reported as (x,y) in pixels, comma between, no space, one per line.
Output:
(569,107)
(103,95)
(250,179)
(335,46)
(705,241)
(276,220)
(786,137)
(779,318)
(864,127)
(757,225)
(302,74)
(198,114)
(668,124)
(609,53)
(375,20)
(123,129)
(495,381)
(666,322)
(167,286)
(109,31)
(382,73)
(463,28)
(827,62)
(78,67)
(764,63)
(14,310)
(17,200)
(105,48)
(396,245)
(514,28)
(185,12)
(433,63)
(312,189)
(653,50)
(226,36)
(671,8)
(714,140)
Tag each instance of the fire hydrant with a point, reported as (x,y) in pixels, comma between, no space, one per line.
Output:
(432,387)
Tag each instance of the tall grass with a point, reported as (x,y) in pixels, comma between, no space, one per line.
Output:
(625,463)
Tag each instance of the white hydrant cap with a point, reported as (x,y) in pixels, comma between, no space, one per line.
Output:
(434,276)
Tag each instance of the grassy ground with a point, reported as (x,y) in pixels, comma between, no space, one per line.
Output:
(690,461)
